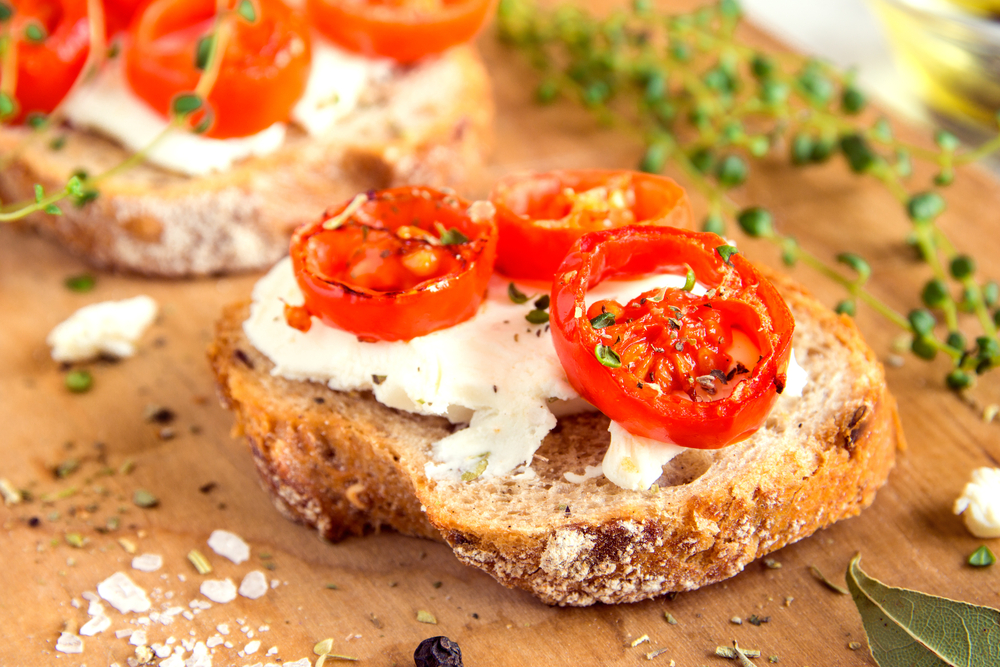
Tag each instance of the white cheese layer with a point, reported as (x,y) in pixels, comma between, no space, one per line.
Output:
(980,503)
(337,81)
(495,372)
(110,327)
(107,105)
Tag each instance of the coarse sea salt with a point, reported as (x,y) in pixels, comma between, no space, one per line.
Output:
(69,643)
(147,562)
(219,590)
(138,638)
(121,593)
(252,647)
(96,625)
(229,545)
(254,585)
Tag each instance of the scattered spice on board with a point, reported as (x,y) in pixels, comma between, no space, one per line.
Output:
(426,617)
(145,499)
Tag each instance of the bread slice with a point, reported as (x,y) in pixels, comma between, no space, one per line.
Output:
(429,124)
(346,464)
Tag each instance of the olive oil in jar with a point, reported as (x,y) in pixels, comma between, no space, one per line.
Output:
(951,50)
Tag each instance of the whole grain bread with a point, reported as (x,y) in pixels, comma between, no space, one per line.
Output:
(430,123)
(346,464)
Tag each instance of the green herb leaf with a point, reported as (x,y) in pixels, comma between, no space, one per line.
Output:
(35,33)
(726,252)
(203,51)
(7,105)
(603,320)
(58,143)
(607,356)
(516,295)
(856,262)
(145,499)
(79,381)
(905,627)
(83,282)
(689,280)
(982,557)
(453,237)
(826,582)
(52,209)
(542,302)
(186,103)
(247,11)
(5,12)
(478,470)
(39,193)
(426,617)
(537,316)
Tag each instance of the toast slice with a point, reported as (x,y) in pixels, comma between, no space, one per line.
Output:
(346,464)
(430,123)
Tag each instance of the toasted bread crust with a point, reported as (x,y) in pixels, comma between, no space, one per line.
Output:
(432,126)
(819,459)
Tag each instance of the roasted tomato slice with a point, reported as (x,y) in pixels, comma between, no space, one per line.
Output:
(395,264)
(699,371)
(52,39)
(404,30)
(263,73)
(539,216)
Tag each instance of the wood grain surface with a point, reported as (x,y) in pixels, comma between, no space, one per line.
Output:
(205,480)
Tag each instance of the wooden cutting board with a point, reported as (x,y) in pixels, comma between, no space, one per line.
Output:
(365,593)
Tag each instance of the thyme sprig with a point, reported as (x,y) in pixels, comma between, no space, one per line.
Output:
(186,108)
(706,102)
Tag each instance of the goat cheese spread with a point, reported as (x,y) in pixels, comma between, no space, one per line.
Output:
(979,503)
(106,104)
(495,372)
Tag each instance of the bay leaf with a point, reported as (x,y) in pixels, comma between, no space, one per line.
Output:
(910,629)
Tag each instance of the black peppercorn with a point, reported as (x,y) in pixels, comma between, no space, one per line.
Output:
(438,652)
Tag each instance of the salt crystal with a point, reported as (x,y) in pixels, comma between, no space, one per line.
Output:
(223,628)
(245,629)
(123,633)
(147,562)
(89,597)
(264,628)
(199,604)
(74,603)
(96,625)
(138,638)
(215,640)
(161,650)
(228,644)
(188,644)
(69,643)
(181,577)
(171,640)
(229,545)
(252,647)
(119,591)
(219,590)
(254,585)
(95,608)
(199,657)
(142,620)
(176,660)
(188,615)
(275,583)
(272,651)
(304,662)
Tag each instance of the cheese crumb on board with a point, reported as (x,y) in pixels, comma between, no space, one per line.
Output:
(980,503)
(229,545)
(109,327)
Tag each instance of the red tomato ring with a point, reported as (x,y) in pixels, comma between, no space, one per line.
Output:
(530,251)
(263,72)
(397,29)
(47,69)
(641,410)
(370,234)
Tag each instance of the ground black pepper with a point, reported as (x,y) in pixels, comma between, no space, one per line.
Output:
(438,652)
